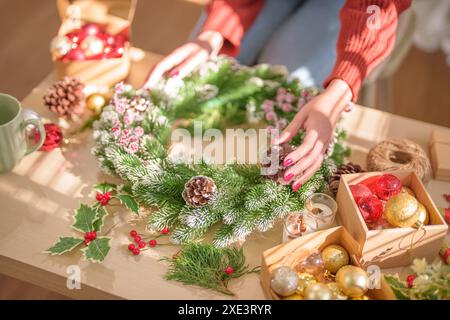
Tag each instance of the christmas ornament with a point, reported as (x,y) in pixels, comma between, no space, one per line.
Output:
(273,162)
(408,190)
(424,217)
(360,191)
(353,281)
(318,291)
(335,257)
(53,137)
(336,291)
(91,29)
(294,296)
(313,264)
(348,168)
(363,297)
(284,281)
(399,154)
(75,55)
(199,190)
(92,46)
(402,210)
(60,46)
(371,209)
(96,102)
(387,186)
(65,98)
(304,280)
(444,252)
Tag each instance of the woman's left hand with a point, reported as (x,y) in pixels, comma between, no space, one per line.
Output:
(318,118)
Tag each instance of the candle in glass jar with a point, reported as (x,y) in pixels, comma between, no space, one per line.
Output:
(293,226)
(320,212)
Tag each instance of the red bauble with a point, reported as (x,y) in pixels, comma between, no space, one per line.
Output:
(387,186)
(371,182)
(76,36)
(360,191)
(91,29)
(75,55)
(371,209)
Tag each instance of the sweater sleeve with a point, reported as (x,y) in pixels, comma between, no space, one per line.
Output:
(232,18)
(367,36)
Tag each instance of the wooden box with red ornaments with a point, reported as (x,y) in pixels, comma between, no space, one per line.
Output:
(408,224)
(93,40)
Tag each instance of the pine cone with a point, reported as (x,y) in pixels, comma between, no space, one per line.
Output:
(333,181)
(65,98)
(199,191)
(276,171)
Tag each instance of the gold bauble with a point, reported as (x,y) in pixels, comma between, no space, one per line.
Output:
(337,292)
(318,291)
(364,297)
(304,280)
(408,190)
(353,281)
(334,257)
(424,218)
(295,296)
(96,102)
(401,210)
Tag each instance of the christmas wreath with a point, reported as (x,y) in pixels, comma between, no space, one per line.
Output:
(132,140)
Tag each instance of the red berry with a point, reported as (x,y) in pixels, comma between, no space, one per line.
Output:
(152,243)
(87,236)
(410,280)
(137,239)
(131,247)
(86,241)
(93,235)
(166,230)
(141,244)
(136,251)
(133,233)
(99,196)
(229,270)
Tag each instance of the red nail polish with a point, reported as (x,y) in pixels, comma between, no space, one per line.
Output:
(288,162)
(296,187)
(174,73)
(288,177)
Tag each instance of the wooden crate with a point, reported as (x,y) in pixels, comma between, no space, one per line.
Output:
(117,15)
(290,253)
(393,247)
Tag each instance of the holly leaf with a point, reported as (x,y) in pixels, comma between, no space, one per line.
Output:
(84,218)
(64,244)
(398,287)
(97,250)
(105,187)
(100,218)
(129,202)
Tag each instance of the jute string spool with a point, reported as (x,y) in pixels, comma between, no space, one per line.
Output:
(399,154)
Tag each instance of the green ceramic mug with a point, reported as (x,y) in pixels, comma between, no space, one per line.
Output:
(13,132)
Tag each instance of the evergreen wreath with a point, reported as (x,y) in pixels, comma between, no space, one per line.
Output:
(132,140)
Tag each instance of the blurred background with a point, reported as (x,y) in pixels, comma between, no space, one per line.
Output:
(414,82)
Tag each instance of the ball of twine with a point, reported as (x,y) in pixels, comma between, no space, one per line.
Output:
(399,154)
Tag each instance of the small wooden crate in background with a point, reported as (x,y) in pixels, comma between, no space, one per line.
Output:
(292,252)
(393,247)
(117,15)
(440,154)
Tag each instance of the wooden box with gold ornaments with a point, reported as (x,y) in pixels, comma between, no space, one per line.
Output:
(289,270)
(109,64)
(394,244)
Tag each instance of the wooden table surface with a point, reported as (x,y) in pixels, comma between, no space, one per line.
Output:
(38,198)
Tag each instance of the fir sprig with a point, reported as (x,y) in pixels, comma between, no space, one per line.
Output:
(204,265)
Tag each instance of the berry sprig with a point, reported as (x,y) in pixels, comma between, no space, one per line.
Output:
(140,245)
(89,236)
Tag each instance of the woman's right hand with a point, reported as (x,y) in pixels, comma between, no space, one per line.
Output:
(186,58)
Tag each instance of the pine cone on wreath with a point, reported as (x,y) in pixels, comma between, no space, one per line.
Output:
(346,168)
(66,98)
(276,172)
(199,191)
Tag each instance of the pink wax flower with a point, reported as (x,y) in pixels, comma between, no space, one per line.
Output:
(271,116)
(139,131)
(126,132)
(289,97)
(119,88)
(133,147)
(133,139)
(267,105)
(120,107)
(124,141)
(286,107)
(281,91)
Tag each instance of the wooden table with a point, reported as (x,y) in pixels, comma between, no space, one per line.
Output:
(39,196)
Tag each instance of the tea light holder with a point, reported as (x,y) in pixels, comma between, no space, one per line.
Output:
(320,212)
(293,226)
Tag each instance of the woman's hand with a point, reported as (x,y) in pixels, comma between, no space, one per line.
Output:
(187,57)
(318,118)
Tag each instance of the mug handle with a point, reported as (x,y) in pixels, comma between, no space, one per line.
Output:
(31,118)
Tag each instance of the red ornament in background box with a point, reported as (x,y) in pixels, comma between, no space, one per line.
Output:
(91,42)
(371,209)
(360,191)
(53,137)
(387,186)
